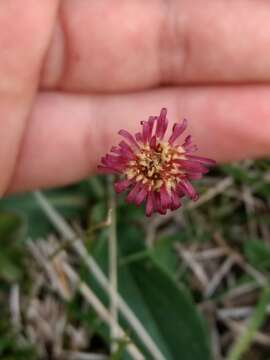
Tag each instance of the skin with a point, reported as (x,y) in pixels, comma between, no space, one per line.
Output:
(74,72)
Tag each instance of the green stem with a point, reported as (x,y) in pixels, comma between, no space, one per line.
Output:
(113,266)
(68,233)
(245,339)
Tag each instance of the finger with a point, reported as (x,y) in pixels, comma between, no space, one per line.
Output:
(25,29)
(101,45)
(67,134)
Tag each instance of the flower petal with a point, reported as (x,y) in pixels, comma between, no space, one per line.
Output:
(146,131)
(127,150)
(129,137)
(153,142)
(188,146)
(132,194)
(164,198)
(151,122)
(149,208)
(121,185)
(175,203)
(141,196)
(138,137)
(162,124)
(108,170)
(191,166)
(116,162)
(201,160)
(185,186)
(158,205)
(178,129)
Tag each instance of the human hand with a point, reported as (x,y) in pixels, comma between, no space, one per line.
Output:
(72,73)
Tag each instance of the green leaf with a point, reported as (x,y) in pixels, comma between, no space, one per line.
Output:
(166,310)
(163,254)
(245,339)
(164,307)
(11,347)
(258,254)
(11,226)
(240,174)
(68,201)
(12,230)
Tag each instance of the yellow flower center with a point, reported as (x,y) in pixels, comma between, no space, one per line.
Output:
(155,167)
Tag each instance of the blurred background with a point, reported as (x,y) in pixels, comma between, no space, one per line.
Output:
(195,280)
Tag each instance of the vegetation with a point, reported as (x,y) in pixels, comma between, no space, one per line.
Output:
(196,279)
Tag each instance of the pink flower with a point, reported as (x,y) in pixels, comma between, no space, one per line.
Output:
(155,170)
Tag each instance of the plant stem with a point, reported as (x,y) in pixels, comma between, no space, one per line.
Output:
(67,232)
(113,266)
(85,291)
(245,339)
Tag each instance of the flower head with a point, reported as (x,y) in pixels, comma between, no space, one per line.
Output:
(155,170)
